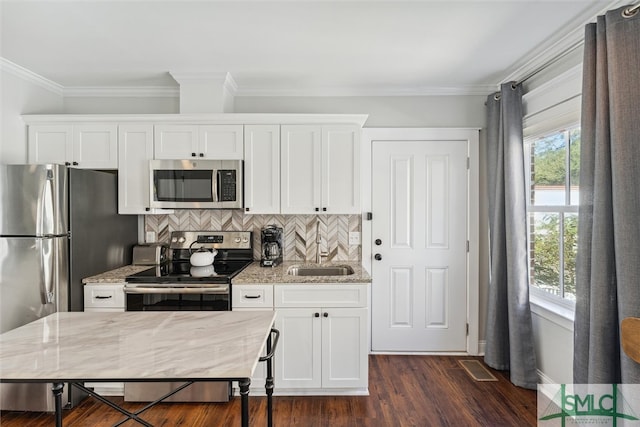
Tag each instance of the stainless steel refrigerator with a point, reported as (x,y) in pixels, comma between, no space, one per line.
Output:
(58,225)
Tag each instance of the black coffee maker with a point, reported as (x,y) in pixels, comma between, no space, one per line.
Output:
(271,246)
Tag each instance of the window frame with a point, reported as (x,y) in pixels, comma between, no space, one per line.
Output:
(556,304)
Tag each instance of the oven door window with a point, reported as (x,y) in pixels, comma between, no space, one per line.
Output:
(178,302)
(183,185)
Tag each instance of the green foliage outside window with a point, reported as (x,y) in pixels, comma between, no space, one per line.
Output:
(555,166)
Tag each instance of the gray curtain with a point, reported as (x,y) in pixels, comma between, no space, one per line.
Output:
(608,261)
(509,331)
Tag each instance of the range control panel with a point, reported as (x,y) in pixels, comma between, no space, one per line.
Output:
(211,239)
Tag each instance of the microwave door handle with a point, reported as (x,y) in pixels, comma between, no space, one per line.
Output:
(214,185)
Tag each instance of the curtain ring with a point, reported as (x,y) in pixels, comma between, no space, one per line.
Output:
(631,11)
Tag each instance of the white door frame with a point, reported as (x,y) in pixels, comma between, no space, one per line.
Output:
(471,135)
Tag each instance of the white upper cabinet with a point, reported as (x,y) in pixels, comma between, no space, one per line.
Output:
(262,169)
(320,169)
(87,146)
(135,149)
(202,141)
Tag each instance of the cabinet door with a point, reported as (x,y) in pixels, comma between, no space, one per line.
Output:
(176,142)
(50,144)
(298,355)
(221,142)
(341,169)
(135,149)
(300,153)
(262,169)
(345,360)
(95,146)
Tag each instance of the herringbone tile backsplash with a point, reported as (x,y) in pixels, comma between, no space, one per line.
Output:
(299,230)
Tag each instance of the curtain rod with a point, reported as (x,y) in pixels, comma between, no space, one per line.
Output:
(627,13)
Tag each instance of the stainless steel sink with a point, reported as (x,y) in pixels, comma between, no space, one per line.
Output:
(319,270)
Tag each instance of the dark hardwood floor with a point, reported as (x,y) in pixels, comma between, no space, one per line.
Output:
(404,391)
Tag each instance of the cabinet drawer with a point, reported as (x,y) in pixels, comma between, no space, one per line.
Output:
(104,296)
(252,296)
(333,295)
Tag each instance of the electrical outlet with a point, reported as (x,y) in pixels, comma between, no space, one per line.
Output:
(150,237)
(354,238)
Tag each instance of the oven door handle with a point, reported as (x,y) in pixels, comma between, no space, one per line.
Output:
(222,289)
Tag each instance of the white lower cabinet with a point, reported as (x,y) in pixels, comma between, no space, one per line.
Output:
(100,297)
(254,298)
(323,341)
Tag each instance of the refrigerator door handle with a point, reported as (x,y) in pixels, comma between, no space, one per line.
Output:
(47,261)
(46,205)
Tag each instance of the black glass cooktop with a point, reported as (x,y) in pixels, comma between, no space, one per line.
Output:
(183,271)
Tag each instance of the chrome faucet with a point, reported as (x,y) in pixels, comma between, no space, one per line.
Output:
(319,254)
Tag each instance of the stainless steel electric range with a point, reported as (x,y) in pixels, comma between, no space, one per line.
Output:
(178,285)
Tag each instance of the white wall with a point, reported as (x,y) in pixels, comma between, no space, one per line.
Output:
(384,111)
(22,93)
(121,105)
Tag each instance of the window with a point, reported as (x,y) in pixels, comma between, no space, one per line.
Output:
(553,161)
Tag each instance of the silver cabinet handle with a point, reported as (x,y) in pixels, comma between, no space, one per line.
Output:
(103,297)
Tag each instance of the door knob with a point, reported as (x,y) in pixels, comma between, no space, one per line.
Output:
(378,242)
(378,257)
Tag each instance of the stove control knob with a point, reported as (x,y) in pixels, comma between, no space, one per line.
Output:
(174,239)
(181,240)
(237,240)
(245,240)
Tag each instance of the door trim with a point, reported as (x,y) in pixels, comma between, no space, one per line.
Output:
(471,135)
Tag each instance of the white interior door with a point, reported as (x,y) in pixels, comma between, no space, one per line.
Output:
(419,232)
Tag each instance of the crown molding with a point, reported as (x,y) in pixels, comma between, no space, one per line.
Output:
(559,44)
(122,92)
(30,76)
(343,91)
(200,118)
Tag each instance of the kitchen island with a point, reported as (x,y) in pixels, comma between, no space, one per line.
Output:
(138,346)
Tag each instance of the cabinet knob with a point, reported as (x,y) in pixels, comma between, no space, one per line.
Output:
(67,164)
(193,154)
(246,209)
(316,314)
(201,154)
(317,209)
(378,242)
(75,163)
(325,314)
(378,257)
(147,209)
(324,209)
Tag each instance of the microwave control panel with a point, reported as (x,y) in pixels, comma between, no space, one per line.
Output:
(227,185)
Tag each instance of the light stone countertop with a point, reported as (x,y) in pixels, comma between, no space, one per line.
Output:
(255,274)
(175,345)
(118,275)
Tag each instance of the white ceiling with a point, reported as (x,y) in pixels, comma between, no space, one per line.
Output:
(290,47)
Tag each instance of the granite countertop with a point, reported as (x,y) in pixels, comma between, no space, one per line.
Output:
(136,345)
(116,276)
(255,274)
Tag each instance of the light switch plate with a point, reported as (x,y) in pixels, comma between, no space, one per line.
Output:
(150,237)
(354,238)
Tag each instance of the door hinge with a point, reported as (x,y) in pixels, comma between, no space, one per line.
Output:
(369,216)
(468,162)
(467,329)
(467,246)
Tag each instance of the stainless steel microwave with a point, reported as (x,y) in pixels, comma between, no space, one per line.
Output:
(196,184)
